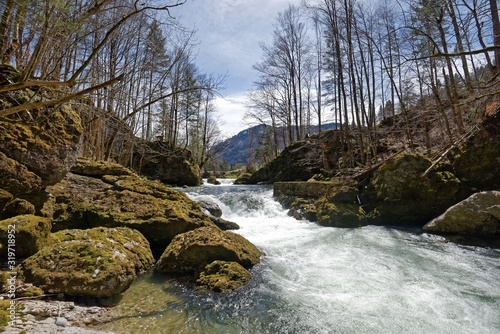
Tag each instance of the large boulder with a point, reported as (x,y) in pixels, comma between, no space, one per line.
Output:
(17,207)
(222,276)
(158,212)
(174,166)
(193,250)
(29,234)
(478,215)
(99,262)
(476,162)
(302,160)
(37,148)
(399,194)
(5,197)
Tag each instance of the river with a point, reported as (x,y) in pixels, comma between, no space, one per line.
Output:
(314,279)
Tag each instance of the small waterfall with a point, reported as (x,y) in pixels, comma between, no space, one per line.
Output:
(314,279)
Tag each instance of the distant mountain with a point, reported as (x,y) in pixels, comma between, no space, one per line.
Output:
(241,147)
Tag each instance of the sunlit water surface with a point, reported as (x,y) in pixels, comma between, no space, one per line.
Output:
(314,279)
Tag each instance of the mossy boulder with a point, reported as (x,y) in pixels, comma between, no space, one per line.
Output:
(5,197)
(100,262)
(338,214)
(175,166)
(302,160)
(243,178)
(43,144)
(32,233)
(478,215)
(476,161)
(190,251)
(158,212)
(17,207)
(302,208)
(222,276)
(399,194)
(16,178)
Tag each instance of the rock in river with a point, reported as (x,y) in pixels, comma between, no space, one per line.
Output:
(477,215)
(190,251)
(98,262)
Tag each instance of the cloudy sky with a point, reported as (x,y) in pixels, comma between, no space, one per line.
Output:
(229,32)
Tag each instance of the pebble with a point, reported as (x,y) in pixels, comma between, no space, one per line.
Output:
(61,322)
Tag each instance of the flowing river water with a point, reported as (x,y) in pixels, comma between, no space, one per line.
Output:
(314,279)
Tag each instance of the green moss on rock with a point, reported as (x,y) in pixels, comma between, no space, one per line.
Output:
(400,194)
(32,233)
(5,197)
(158,212)
(94,168)
(190,251)
(99,262)
(17,207)
(339,214)
(46,146)
(478,215)
(222,276)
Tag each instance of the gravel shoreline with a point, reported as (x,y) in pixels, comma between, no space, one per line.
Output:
(46,317)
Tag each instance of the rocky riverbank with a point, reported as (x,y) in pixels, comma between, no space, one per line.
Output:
(84,230)
(406,189)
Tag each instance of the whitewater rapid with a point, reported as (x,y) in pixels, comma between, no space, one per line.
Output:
(314,279)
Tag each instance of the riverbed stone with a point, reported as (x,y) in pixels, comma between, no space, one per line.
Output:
(212,208)
(32,233)
(222,276)
(190,251)
(99,262)
(478,215)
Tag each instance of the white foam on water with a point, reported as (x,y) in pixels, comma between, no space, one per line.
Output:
(314,279)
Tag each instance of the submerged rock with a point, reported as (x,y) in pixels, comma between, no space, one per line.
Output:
(32,233)
(99,262)
(211,208)
(478,215)
(190,251)
(214,212)
(222,276)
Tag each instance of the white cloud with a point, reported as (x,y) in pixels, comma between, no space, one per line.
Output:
(229,33)
(231,111)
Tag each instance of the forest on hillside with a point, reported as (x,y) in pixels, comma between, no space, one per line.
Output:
(431,67)
(129,68)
